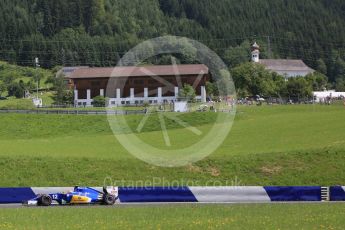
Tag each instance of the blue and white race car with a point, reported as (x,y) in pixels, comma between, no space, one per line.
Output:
(79,195)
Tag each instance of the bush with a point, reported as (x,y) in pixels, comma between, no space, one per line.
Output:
(100,101)
(187,93)
(16,89)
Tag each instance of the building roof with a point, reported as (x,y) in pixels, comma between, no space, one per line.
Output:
(70,69)
(134,71)
(285,65)
(255,46)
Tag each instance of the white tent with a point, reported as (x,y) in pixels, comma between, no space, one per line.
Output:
(320,95)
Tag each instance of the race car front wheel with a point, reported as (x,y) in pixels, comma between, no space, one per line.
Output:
(45,200)
(109,199)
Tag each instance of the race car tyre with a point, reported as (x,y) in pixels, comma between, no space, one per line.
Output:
(109,199)
(45,200)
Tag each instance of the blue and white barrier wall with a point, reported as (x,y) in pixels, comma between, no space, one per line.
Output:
(191,194)
(337,193)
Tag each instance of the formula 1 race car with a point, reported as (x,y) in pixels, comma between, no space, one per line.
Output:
(79,195)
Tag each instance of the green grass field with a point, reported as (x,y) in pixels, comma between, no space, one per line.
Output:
(14,103)
(268,145)
(260,216)
(282,145)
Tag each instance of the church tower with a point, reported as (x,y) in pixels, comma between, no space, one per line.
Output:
(255,52)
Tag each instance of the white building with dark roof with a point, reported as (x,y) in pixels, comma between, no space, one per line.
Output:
(136,85)
(285,67)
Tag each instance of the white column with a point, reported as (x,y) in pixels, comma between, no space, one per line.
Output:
(101,92)
(132,95)
(176,92)
(159,94)
(146,93)
(75,95)
(75,98)
(203,94)
(118,94)
(88,97)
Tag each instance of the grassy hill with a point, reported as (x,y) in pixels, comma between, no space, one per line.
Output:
(28,75)
(9,72)
(26,103)
(283,145)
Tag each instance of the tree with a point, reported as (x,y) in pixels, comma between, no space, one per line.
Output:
(2,88)
(252,79)
(280,86)
(16,89)
(317,80)
(68,97)
(187,92)
(92,9)
(223,84)
(100,101)
(321,66)
(60,88)
(339,68)
(62,94)
(116,26)
(299,88)
(235,56)
(340,85)
(211,89)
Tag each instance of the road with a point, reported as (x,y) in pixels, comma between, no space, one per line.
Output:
(124,205)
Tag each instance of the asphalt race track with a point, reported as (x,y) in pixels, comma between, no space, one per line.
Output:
(125,205)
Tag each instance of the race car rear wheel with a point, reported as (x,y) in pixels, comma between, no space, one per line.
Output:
(45,200)
(109,199)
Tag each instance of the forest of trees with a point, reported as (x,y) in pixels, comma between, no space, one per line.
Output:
(99,32)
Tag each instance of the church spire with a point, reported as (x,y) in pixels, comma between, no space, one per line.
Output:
(255,52)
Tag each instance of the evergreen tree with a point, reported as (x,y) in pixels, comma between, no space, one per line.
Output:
(321,66)
(98,32)
(340,85)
